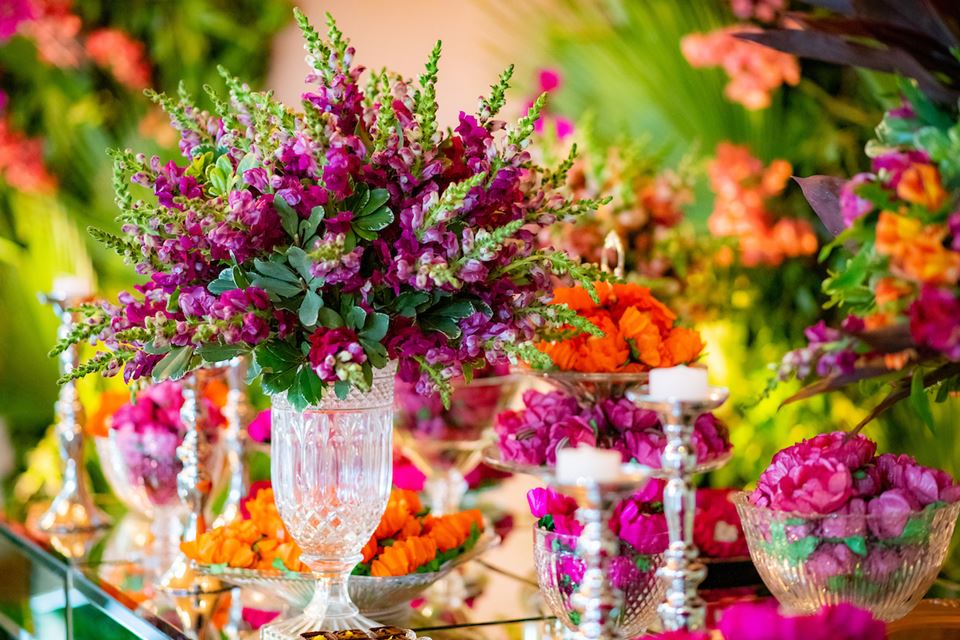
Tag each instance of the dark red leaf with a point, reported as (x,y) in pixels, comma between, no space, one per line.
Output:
(823,194)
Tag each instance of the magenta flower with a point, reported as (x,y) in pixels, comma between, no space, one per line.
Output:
(851,451)
(935,321)
(889,513)
(547,501)
(853,206)
(849,520)
(891,165)
(569,432)
(259,427)
(819,485)
(333,351)
(12,13)
(763,621)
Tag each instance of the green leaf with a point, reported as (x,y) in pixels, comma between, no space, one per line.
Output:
(857,544)
(300,261)
(467,370)
(355,318)
(248,162)
(173,303)
(379,219)
(276,355)
(240,278)
(376,326)
(376,352)
(363,233)
(277,287)
(155,350)
(174,364)
(220,352)
(310,385)
(275,270)
(329,318)
(445,325)
(407,302)
(289,219)
(274,383)
(224,282)
(310,308)
(378,198)
(919,400)
(342,389)
(309,226)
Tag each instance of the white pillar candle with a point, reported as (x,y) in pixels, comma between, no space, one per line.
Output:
(72,287)
(587,463)
(679,383)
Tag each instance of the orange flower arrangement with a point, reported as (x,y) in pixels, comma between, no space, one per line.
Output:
(639,332)
(406,540)
(256,542)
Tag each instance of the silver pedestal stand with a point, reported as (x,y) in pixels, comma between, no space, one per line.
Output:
(683,572)
(238,414)
(72,510)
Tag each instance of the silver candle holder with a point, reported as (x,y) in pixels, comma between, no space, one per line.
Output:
(72,510)
(683,572)
(598,601)
(238,413)
(194,486)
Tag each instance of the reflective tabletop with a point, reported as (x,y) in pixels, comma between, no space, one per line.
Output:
(103,585)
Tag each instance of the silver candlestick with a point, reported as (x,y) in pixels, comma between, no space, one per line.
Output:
(597,600)
(682,572)
(72,510)
(238,414)
(194,486)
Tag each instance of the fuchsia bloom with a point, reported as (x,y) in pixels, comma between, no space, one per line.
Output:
(12,13)
(259,428)
(335,354)
(853,206)
(763,621)
(556,419)
(935,321)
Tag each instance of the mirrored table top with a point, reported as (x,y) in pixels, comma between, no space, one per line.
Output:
(105,586)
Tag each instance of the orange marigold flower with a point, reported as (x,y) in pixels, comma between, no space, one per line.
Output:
(920,184)
(897,361)
(916,250)
(683,346)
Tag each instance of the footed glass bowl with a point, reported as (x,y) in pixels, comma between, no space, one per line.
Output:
(377,598)
(560,568)
(884,564)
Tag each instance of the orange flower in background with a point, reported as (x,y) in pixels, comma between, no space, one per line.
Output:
(98,424)
(916,250)
(889,290)
(920,184)
(639,332)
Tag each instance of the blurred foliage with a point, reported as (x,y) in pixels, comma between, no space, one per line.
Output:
(622,65)
(79,111)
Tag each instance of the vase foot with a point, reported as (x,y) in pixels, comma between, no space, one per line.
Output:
(292,628)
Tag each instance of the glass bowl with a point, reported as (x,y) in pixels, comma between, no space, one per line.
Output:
(446,444)
(559,567)
(882,564)
(382,599)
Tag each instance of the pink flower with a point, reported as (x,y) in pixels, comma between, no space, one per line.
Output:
(867,481)
(853,206)
(831,560)
(889,513)
(256,618)
(550,80)
(123,56)
(894,163)
(259,427)
(12,13)
(816,486)
(678,635)
(332,351)
(718,531)
(881,562)
(935,321)
(546,501)
(645,532)
(849,520)
(567,525)
(851,451)
(763,621)
(569,432)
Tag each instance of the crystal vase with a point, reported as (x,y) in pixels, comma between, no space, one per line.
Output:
(331,467)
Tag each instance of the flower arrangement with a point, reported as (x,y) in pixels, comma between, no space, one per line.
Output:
(897,276)
(637,521)
(330,241)
(549,421)
(763,621)
(147,433)
(259,540)
(407,540)
(636,332)
(850,518)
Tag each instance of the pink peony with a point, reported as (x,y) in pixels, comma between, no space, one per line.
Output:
(867,481)
(645,532)
(881,562)
(815,486)
(889,513)
(852,451)
(849,520)
(763,621)
(853,206)
(831,559)
(569,432)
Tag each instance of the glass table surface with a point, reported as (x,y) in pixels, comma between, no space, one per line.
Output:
(101,586)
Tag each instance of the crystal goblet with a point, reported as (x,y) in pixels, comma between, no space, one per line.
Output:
(331,468)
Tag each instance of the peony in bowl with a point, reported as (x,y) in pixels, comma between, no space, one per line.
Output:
(880,561)
(560,569)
